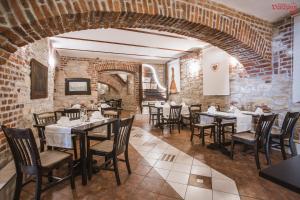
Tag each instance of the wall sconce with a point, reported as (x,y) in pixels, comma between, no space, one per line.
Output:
(233,61)
(193,67)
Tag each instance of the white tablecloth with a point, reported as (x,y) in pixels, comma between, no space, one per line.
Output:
(243,122)
(58,135)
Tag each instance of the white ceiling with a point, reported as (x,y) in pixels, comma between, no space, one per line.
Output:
(130,44)
(260,8)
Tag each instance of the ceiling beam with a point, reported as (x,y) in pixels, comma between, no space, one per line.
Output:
(117,53)
(123,44)
(152,33)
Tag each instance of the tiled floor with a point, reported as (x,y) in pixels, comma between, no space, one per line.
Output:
(168,168)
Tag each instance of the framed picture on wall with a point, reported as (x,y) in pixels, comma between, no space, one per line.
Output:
(39,80)
(77,86)
(173,76)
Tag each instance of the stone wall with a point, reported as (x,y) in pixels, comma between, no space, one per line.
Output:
(96,70)
(15,105)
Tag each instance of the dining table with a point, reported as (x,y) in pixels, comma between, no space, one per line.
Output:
(81,130)
(243,123)
(285,173)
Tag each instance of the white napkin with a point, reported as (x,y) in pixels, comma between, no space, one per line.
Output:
(76,106)
(232,109)
(96,115)
(212,109)
(104,105)
(183,104)
(259,111)
(173,103)
(63,120)
(157,104)
(237,111)
(166,105)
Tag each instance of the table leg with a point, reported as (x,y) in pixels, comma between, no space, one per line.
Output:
(109,131)
(83,158)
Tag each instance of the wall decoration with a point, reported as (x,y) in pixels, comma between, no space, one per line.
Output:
(39,80)
(214,67)
(77,86)
(215,72)
(174,76)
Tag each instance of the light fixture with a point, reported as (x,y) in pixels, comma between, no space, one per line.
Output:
(51,54)
(193,67)
(233,61)
(155,76)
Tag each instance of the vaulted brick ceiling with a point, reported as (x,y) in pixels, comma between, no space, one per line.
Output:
(245,37)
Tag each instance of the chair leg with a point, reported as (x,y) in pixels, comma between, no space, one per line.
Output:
(178,126)
(116,169)
(75,147)
(72,180)
(256,156)
(90,165)
(192,133)
(282,147)
(38,187)
(293,147)
(267,153)
(213,132)
(202,135)
(50,176)
(19,182)
(127,162)
(232,149)
(223,134)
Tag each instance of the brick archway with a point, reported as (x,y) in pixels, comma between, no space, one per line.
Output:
(243,36)
(108,80)
(133,68)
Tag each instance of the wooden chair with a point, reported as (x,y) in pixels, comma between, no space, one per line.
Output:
(45,118)
(196,123)
(286,132)
(111,112)
(72,113)
(29,162)
(225,125)
(153,113)
(187,117)
(260,138)
(110,150)
(174,118)
(119,103)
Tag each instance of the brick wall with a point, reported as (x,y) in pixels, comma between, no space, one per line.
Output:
(243,36)
(15,103)
(96,70)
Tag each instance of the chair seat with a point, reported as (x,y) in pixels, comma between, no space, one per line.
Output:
(110,112)
(228,123)
(205,125)
(185,116)
(275,134)
(102,135)
(51,158)
(245,136)
(105,147)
